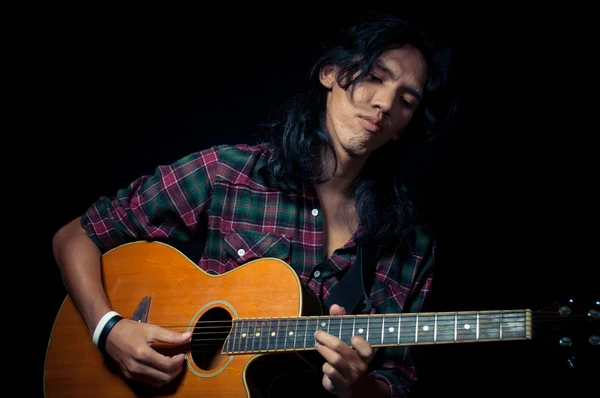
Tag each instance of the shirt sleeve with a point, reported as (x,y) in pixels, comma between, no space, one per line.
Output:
(164,205)
(398,366)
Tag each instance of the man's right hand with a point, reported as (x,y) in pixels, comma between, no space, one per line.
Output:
(129,344)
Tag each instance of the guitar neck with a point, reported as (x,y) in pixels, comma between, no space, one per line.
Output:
(297,334)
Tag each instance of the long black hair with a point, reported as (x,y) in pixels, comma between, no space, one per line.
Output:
(298,136)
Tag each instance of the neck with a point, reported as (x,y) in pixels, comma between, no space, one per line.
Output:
(347,169)
(296,333)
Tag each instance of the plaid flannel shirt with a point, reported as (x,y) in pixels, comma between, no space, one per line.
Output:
(246,219)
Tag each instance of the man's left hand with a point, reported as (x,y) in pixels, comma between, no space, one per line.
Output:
(345,365)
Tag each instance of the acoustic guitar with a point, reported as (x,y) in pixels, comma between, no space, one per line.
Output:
(245,321)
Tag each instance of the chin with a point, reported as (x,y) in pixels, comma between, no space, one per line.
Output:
(356,151)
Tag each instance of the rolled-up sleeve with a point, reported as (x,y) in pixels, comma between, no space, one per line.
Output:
(164,205)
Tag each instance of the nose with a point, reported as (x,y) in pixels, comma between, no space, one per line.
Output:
(383,99)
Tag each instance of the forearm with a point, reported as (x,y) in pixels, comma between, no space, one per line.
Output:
(79,261)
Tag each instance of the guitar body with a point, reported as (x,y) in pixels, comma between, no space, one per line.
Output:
(181,295)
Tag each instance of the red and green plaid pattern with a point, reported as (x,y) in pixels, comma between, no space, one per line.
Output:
(247,219)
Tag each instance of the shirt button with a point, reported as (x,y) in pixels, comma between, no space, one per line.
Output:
(317,274)
(315,212)
(241,252)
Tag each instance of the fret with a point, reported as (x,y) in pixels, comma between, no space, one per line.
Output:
(361,326)
(296,333)
(260,334)
(266,334)
(376,330)
(257,335)
(237,335)
(466,326)
(306,333)
(312,327)
(455,326)
(251,335)
(300,333)
(445,327)
(272,342)
(265,337)
(290,335)
(389,330)
(335,326)
(490,326)
(346,329)
(231,338)
(244,335)
(514,325)
(408,324)
(399,327)
(426,329)
(416,328)
(280,334)
(233,335)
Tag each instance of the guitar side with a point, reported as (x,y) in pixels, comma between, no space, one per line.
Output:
(181,295)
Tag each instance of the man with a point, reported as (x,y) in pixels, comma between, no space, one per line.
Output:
(322,183)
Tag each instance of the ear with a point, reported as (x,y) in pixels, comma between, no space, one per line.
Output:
(327,75)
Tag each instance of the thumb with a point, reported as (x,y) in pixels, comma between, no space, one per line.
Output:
(337,310)
(170,336)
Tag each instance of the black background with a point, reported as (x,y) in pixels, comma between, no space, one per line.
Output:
(508,190)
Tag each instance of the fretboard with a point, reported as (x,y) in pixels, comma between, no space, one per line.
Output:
(296,334)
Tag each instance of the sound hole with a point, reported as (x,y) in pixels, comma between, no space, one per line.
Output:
(210,333)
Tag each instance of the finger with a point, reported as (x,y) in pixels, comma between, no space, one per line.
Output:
(337,310)
(331,356)
(334,360)
(333,343)
(332,379)
(163,363)
(362,348)
(169,336)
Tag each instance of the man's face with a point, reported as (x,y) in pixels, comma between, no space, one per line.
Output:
(377,109)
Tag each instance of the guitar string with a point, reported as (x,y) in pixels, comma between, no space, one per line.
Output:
(442,336)
(442,328)
(483,320)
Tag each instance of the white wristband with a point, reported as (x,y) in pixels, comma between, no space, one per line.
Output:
(101,324)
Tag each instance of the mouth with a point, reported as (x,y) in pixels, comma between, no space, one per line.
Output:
(370,124)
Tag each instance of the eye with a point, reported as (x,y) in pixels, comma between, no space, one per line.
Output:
(406,103)
(375,78)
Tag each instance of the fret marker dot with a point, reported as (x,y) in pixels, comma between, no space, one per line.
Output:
(391,329)
(272,333)
(257,334)
(291,333)
(467,326)
(243,334)
(323,324)
(425,328)
(360,330)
